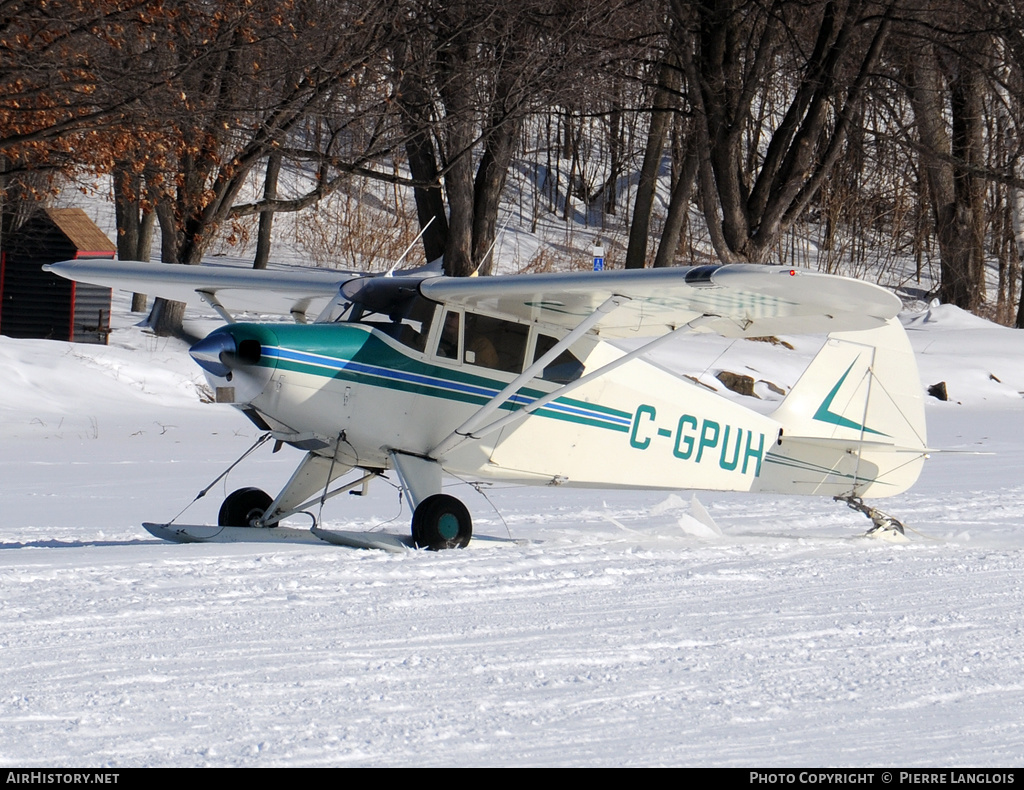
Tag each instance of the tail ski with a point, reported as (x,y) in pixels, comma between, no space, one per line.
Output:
(853,425)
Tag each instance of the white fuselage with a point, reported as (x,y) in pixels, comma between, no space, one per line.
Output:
(639,427)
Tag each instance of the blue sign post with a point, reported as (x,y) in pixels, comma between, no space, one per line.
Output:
(598,251)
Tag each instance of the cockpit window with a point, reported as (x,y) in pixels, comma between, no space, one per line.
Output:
(564,368)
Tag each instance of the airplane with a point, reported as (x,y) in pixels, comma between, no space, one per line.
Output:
(515,378)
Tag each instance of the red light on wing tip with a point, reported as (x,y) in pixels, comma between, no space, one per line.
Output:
(792,272)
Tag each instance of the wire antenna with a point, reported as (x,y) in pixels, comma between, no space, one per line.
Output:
(408,249)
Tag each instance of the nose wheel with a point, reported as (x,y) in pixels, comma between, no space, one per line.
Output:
(441,522)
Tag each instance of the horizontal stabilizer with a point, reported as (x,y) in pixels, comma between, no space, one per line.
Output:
(855,445)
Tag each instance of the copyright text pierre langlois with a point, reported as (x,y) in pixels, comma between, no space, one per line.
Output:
(883,777)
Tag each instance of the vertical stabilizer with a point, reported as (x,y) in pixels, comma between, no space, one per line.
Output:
(854,423)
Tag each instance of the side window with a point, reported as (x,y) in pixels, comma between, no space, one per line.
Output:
(564,368)
(448,341)
(494,343)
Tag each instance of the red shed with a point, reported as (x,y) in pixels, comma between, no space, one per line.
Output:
(34,303)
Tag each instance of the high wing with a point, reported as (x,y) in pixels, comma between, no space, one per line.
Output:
(300,292)
(739,300)
(734,300)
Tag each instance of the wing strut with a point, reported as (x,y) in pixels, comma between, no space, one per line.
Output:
(469,426)
(478,433)
(211,299)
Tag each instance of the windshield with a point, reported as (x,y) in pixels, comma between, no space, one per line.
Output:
(391,305)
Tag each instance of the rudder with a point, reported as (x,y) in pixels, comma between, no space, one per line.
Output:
(854,423)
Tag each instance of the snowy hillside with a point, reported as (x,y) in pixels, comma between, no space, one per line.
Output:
(619,630)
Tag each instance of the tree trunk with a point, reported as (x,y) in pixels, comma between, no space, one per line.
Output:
(661,115)
(166,316)
(952,190)
(678,207)
(134,224)
(419,149)
(415,102)
(144,250)
(263,237)
(458,186)
(1017,213)
(615,146)
(968,152)
(487,188)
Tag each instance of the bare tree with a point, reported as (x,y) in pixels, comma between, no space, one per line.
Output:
(1007,23)
(256,72)
(70,74)
(775,87)
(64,78)
(478,70)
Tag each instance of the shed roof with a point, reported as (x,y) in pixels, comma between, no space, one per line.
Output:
(80,230)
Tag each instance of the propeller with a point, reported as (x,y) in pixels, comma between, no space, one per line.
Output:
(219,352)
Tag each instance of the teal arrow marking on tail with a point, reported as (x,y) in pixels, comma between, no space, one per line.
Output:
(825,413)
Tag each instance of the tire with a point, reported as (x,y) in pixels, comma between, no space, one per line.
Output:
(242,507)
(441,522)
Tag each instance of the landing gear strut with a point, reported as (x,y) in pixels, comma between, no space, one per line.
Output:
(439,521)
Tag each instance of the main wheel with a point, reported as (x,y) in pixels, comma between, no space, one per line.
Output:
(441,522)
(242,507)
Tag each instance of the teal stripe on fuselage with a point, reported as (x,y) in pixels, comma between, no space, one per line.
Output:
(347,352)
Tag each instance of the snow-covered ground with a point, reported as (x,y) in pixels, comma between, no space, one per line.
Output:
(620,630)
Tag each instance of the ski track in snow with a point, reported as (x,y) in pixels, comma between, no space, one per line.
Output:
(619,631)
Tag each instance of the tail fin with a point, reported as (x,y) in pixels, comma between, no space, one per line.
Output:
(854,423)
